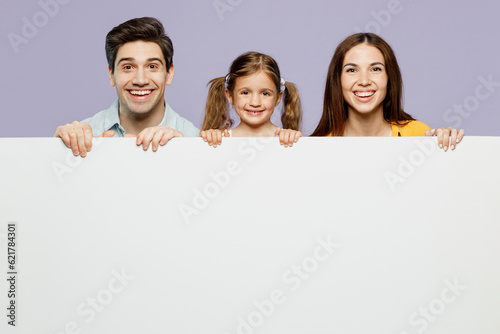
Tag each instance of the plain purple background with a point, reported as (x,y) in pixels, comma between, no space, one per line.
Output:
(60,74)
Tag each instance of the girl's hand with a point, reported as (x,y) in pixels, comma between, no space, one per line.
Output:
(155,135)
(448,137)
(288,136)
(213,137)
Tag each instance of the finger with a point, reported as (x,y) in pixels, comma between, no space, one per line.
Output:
(439,134)
(298,134)
(430,132)
(203,135)
(147,137)
(129,135)
(80,138)
(110,133)
(140,137)
(277,132)
(167,136)
(453,139)
(63,134)
(87,131)
(460,135)
(212,138)
(226,133)
(446,139)
(73,140)
(157,138)
(219,137)
(285,139)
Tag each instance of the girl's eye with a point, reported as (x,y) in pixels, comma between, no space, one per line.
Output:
(244,92)
(266,94)
(350,70)
(377,69)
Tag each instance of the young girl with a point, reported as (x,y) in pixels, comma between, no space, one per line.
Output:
(254,87)
(363,95)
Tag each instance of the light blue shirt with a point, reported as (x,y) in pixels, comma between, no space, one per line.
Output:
(109,120)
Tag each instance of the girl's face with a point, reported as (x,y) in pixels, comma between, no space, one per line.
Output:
(254,98)
(364,79)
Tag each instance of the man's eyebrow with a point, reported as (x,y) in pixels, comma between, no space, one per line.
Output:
(125,59)
(155,59)
(131,59)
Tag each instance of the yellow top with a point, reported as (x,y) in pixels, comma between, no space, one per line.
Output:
(413,128)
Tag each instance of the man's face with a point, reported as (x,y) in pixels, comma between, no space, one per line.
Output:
(140,76)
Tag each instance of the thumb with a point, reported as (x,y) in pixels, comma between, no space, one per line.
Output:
(277,132)
(109,133)
(129,135)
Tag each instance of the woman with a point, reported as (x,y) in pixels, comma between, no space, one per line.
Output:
(363,95)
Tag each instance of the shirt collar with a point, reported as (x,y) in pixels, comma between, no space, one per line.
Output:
(112,116)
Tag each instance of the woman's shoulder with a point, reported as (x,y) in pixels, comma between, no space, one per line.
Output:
(412,128)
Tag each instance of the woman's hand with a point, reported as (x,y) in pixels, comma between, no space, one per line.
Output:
(448,137)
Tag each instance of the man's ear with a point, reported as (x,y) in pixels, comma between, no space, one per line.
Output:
(111,79)
(170,75)
(229,96)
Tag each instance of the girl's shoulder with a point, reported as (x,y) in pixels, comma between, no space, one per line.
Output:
(412,128)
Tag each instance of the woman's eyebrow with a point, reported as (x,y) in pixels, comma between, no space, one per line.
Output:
(350,64)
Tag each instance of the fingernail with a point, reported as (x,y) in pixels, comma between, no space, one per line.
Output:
(440,145)
(452,147)
(446,148)
(458,140)
(76,152)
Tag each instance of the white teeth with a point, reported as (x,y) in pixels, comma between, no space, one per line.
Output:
(140,92)
(364,94)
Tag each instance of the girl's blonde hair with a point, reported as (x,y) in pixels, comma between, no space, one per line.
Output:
(217,108)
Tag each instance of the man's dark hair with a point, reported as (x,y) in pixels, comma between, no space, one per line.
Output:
(146,29)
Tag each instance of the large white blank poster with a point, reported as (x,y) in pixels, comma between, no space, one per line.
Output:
(333,235)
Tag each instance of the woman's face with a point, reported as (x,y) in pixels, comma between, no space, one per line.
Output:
(364,79)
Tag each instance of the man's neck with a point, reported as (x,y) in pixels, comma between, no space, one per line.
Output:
(134,123)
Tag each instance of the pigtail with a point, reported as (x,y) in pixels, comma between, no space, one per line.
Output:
(291,116)
(216,108)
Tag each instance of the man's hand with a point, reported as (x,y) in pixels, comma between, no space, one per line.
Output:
(155,135)
(78,137)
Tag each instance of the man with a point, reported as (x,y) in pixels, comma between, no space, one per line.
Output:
(139,55)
